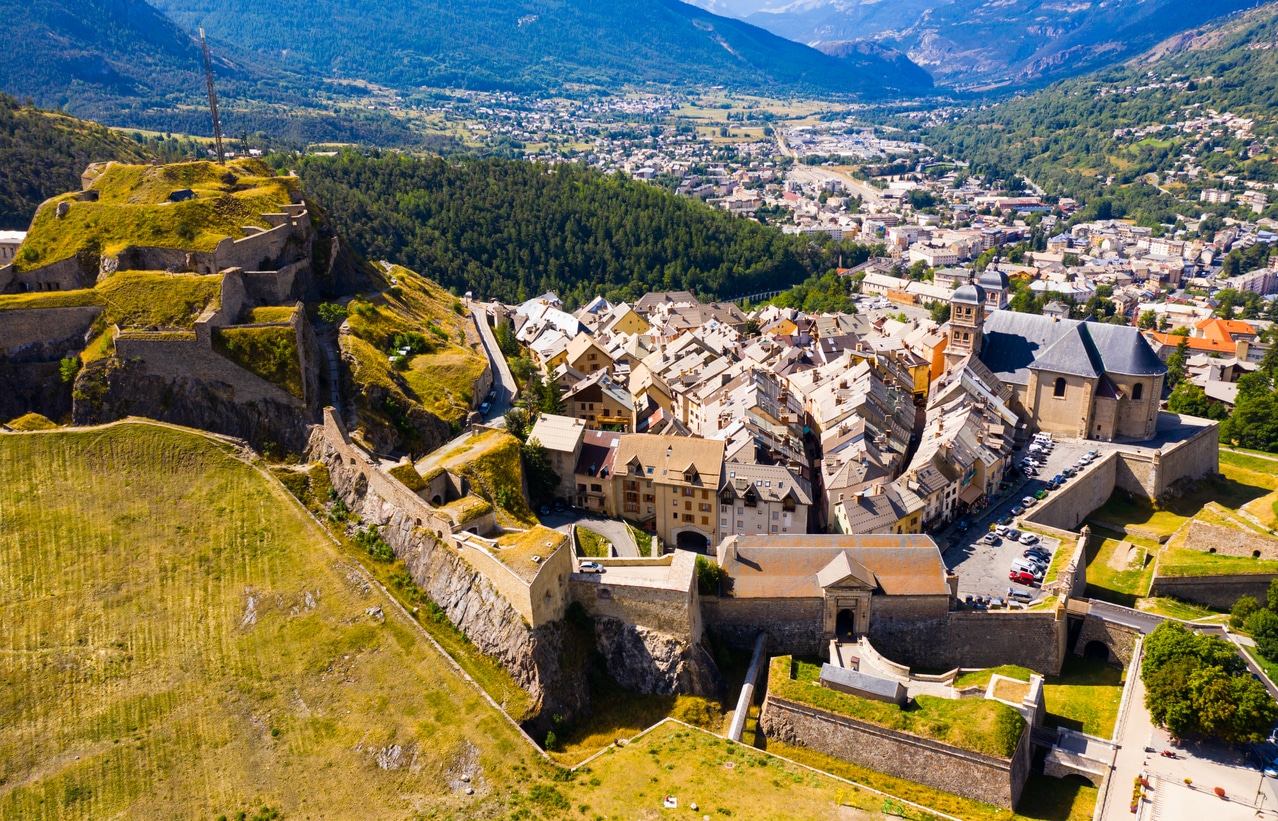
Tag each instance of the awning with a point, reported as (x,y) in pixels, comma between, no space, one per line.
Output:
(970,494)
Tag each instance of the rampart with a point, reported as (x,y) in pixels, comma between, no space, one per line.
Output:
(1146,472)
(39,330)
(1035,639)
(667,603)
(539,601)
(793,626)
(1229,541)
(1218,592)
(902,755)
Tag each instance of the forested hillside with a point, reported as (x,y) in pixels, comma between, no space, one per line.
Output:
(1071,137)
(512,229)
(123,63)
(43,154)
(524,45)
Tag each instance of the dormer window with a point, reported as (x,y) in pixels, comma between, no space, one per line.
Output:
(751,498)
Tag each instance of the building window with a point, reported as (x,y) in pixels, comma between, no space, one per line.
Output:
(1138,390)
(687,491)
(595,488)
(687,505)
(775,515)
(689,518)
(705,520)
(705,508)
(1059,390)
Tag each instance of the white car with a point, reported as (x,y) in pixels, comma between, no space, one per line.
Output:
(1027,538)
(590,567)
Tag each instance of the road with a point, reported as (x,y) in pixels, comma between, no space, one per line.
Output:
(613,530)
(504,385)
(813,173)
(982,569)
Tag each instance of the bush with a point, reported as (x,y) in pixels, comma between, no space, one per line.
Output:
(1242,609)
(69,368)
(709,576)
(331,313)
(1263,627)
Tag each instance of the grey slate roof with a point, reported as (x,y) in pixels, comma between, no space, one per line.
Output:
(969,294)
(1015,342)
(995,279)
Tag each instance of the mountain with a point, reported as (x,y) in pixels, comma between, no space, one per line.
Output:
(1121,124)
(966,42)
(124,63)
(536,45)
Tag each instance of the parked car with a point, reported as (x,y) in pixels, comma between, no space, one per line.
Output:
(1024,565)
(545,510)
(590,567)
(1021,596)
(1029,501)
(1059,478)
(1040,495)
(1027,538)
(1037,555)
(1020,578)
(1018,510)
(559,505)
(483,407)
(991,538)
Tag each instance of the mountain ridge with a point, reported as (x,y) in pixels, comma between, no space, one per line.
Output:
(523,45)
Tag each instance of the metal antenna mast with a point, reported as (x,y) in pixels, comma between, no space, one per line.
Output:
(208,80)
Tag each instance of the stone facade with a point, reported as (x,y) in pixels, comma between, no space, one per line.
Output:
(1118,639)
(902,755)
(42,334)
(793,626)
(1036,640)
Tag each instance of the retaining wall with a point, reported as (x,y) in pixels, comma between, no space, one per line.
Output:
(41,327)
(1218,592)
(925,761)
(673,608)
(1120,639)
(1033,639)
(1066,508)
(793,626)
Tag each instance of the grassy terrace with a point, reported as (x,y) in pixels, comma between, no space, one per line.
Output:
(592,544)
(972,724)
(180,640)
(133,299)
(517,550)
(980,678)
(491,461)
(269,351)
(1084,697)
(133,209)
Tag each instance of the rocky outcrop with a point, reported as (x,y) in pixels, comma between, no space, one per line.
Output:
(109,390)
(646,661)
(546,662)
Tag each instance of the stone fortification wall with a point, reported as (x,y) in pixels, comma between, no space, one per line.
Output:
(1033,639)
(467,597)
(1151,473)
(37,334)
(541,601)
(673,608)
(1068,507)
(793,626)
(178,357)
(64,275)
(1229,541)
(940,766)
(462,584)
(273,287)
(1119,639)
(1218,592)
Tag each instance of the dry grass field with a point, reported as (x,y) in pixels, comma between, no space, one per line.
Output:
(178,640)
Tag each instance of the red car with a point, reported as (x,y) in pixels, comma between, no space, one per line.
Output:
(1021,577)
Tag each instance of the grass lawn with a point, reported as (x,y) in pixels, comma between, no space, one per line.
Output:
(1252,462)
(1177,609)
(444,383)
(724,780)
(982,677)
(643,540)
(592,544)
(1180,561)
(1084,697)
(180,640)
(973,724)
(1238,488)
(1270,668)
(1107,584)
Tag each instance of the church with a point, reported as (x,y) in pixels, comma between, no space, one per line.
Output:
(1089,380)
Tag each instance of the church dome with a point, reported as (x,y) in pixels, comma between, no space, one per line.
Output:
(992,280)
(969,295)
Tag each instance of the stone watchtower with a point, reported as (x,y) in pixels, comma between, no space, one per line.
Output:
(967,322)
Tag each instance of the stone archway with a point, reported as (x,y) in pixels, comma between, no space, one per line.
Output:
(437,500)
(845,625)
(1096,650)
(692,540)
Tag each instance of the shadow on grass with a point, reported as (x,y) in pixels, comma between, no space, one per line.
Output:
(1057,799)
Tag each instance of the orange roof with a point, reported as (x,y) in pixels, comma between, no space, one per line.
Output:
(1196,343)
(1224,329)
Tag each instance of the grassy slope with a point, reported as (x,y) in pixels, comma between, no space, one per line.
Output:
(132,209)
(1084,696)
(133,683)
(269,351)
(441,380)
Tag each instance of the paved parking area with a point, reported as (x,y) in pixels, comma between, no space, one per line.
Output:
(982,568)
